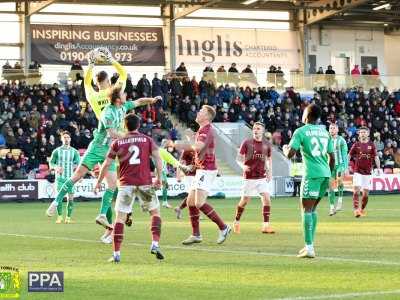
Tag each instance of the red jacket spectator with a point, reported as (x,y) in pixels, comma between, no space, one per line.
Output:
(375,71)
(360,121)
(356,70)
(149,113)
(397,108)
(195,86)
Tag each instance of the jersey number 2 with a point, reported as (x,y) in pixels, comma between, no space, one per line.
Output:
(316,151)
(134,160)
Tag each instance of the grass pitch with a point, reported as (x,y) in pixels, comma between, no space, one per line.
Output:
(356,258)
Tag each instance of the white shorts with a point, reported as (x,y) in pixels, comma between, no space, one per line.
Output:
(126,195)
(255,187)
(362,181)
(188,181)
(204,180)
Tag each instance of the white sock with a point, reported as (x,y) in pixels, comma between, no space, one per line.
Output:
(154,244)
(310,248)
(332,207)
(117,253)
(265,224)
(340,200)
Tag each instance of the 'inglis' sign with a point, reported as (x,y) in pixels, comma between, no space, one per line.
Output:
(257,47)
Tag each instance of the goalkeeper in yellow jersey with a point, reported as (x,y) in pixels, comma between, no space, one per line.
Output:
(99,99)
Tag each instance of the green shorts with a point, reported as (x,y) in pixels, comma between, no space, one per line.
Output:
(96,154)
(314,188)
(59,183)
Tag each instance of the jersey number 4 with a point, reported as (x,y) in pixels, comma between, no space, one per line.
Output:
(316,144)
(134,160)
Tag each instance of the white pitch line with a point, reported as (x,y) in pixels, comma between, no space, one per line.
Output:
(342,296)
(196,248)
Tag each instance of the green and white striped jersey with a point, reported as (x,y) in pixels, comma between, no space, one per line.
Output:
(66,158)
(340,151)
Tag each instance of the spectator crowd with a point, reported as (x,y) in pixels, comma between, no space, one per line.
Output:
(32,117)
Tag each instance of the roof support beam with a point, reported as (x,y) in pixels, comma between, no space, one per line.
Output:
(29,8)
(323,9)
(180,13)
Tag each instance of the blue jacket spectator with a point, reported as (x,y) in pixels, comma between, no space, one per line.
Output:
(156,89)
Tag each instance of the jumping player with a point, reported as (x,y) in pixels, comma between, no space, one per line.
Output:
(256,161)
(341,166)
(63,160)
(133,152)
(316,148)
(364,154)
(206,172)
(109,128)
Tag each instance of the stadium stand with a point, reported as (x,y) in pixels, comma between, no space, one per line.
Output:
(31,117)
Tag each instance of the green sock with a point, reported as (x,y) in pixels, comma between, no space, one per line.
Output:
(59,208)
(70,207)
(109,215)
(106,201)
(64,190)
(308,228)
(315,221)
(164,195)
(331,196)
(341,188)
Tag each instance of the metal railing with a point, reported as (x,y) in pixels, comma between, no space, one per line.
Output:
(260,78)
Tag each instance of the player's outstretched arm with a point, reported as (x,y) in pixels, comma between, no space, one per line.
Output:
(240,160)
(288,151)
(146,101)
(294,145)
(87,81)
(168,157)
(53,159)
(123,75)
(268,167)
(182,146)
(103,172)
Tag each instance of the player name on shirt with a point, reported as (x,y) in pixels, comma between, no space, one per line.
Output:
(316,132)
(132,140)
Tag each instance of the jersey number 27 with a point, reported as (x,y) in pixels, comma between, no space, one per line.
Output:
(317,151)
